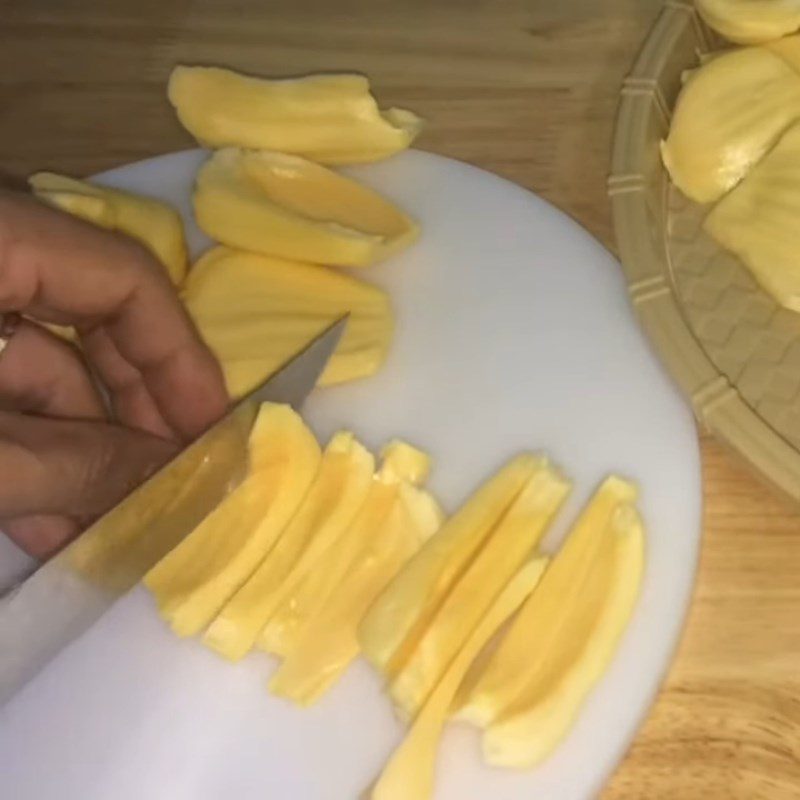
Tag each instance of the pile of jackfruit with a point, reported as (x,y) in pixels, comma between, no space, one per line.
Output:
(322,555)
(735,139)
(282,220)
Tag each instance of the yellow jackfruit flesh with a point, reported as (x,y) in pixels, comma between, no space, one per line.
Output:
(758,221)
(728,115)
(542,717)
(256,312)
(406,461)
(380,541)
(401,613)
(410,770)
(548,618)
(195,579)
(333,499)
(306,593)
(151,222)
(332,119)
(509,545)
(283,205)
(751,21)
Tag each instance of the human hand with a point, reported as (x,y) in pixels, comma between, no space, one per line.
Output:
(63,458)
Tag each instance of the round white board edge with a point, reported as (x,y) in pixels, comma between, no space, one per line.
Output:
(514,332)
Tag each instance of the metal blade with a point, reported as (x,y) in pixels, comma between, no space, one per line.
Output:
(68,594)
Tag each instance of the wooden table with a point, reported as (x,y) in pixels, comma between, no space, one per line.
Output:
(527,89)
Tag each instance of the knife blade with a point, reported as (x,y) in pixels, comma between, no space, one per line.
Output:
(65,596)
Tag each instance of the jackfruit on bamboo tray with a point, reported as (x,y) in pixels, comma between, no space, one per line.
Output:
(402,612)
(194,580)
(410,770)
(751,21)
(758,220)
(512,542)
(553,617)
(284,205)
(256,312)
(153,223)
(333,500)
(330,118)
(730,112)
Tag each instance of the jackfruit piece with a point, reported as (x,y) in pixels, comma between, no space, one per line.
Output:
(402,612)
(381,540)
(283,205)
(410,770)
(758,221)
(728,115)
(332,119)
(751,21)
(153,223)
(544,715)
(546,618)
(256,312)
(333,500)
(513,540)
(406,461)
(308,594)
(195,579)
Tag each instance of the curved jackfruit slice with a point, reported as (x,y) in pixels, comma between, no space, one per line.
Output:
(332,119)
(193,581)
(399,616)
(153,223)
(543,716)
(561,602)
(729,114)
(284,205)
(751,21)
(410,770)
(333,500)
(758,220)
(256,312)
(511,543)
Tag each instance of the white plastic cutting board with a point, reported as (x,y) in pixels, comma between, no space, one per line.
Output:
(513,333)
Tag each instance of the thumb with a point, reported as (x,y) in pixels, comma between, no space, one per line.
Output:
(76,468)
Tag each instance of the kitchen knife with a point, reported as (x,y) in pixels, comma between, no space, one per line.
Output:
(65,596)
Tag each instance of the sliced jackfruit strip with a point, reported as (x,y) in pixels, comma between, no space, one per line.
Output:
(332,119)
(255,312)
(542,718)
(195,579)
(307,593)
(153,223)
(403,610)
(729,114)
(286,206)
(751,21)
(410,770)
(758,221)
(406,461)
(513,540)
(381,540)
(333,500)
(516,664)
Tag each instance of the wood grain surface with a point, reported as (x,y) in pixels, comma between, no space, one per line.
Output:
(527,89)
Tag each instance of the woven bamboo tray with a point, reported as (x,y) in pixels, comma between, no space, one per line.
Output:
(734,352)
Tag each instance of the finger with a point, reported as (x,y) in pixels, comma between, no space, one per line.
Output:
(41,536)
(41,374)
(71,467)
(130,399)
(63,270)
